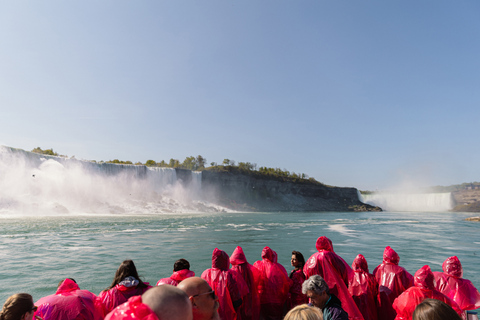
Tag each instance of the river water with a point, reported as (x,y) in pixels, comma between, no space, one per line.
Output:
(36,252)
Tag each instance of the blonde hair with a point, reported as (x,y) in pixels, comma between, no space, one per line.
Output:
(304,312)
(16,306)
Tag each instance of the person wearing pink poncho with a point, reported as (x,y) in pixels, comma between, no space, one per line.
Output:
(69,303)
(392,280)
(164,302)
(181,271)
(424,288)
(450,283)
(228,285)
(363,288)
(296,297)
(335,271)
(125,285)
(250,308)
(274,285)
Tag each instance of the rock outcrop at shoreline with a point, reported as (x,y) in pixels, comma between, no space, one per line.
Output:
(256,193)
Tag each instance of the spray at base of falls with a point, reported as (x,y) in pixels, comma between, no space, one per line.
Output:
(34,184)
(409,202)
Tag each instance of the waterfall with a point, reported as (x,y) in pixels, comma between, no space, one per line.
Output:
(422,202)
(37,184)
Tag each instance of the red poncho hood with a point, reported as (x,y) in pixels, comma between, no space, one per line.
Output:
(269,254)
(238,257)
(220,259)
(360,264)
(390,256)
(133,309)
(67,286)
(453,267)
(424,278)
(323,243)
(182,274)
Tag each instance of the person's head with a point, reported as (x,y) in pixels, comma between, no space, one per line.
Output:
(432,309)
(424,278)
(61,281)
(204,301)
(453,267)
(390,256)
(220,259)
(18,307)
(316,289)
(181,264)
(127,269)
(304,312)
(298,261)
(168,303)
(324,244)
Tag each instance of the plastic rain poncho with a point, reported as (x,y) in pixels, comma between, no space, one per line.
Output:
(69,303)
(336,273)
(250,308)
(274,281)
(228,285)
(121,293)
(424,287)
(450,283)
(392,280)
(296,296)
(363,288)
(132,309)
(176,277)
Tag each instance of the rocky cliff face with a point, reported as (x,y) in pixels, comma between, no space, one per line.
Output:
(249,192)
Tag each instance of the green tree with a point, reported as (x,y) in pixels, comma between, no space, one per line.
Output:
(200,162)
(189,163)
(150,163)
(174,163)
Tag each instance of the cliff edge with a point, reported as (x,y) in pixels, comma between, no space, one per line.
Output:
(254,192)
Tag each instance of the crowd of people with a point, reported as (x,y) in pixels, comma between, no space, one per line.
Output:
(322,287)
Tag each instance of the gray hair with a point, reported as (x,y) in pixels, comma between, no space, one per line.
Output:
(316,284)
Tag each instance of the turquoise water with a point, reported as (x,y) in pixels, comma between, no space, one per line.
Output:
(37,252)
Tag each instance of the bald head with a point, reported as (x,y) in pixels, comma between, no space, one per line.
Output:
(204,302)
(168,303)
(194,285)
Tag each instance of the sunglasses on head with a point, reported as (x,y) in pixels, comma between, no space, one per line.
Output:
(34,309)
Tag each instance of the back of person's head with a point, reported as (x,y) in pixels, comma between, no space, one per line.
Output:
(61,281)
(126,269)
(316,284)
(304,312)
(181,264)
(432,309)
(17,306)
(299,256)
(168,303)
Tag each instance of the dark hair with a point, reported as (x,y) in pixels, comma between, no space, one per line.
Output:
(181,264)
(17,306)
(126,269)
(432,309)
(299,256)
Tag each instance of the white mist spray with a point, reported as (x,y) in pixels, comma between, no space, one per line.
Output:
(32,184)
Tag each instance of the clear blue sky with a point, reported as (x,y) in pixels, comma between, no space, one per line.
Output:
(367,94)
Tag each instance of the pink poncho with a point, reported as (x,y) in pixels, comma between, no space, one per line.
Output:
(228,285)
(336,273)
(450,283)
(69,303)
(424,288)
